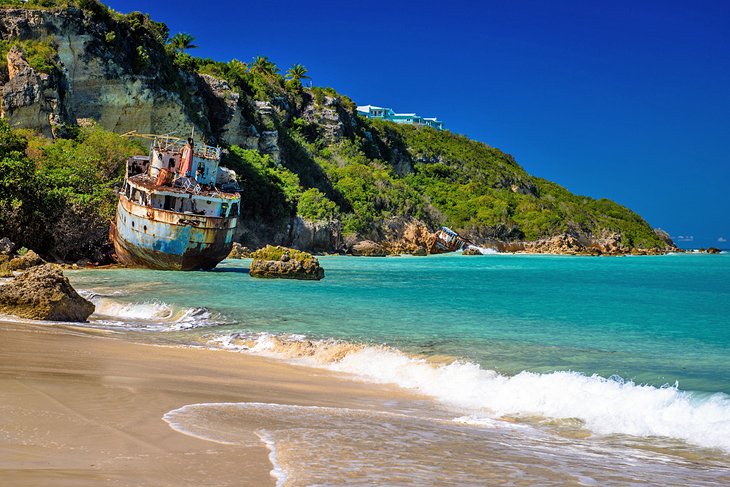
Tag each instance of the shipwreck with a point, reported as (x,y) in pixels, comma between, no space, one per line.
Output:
(447,240)
(178,208)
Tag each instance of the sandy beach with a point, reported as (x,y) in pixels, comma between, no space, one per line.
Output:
(78,407)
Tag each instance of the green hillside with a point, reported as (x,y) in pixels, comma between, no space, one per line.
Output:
(333,165)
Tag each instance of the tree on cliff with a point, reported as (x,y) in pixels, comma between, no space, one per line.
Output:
(262,65)
(297,73)
(182,41)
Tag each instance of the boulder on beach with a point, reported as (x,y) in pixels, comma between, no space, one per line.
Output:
(44,293)
(471,251)
(368,248)
(713,250)
(285,263)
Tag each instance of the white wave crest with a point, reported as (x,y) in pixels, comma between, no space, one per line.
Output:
(605,406)
(150,315)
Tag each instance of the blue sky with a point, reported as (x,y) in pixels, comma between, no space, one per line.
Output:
(625,100)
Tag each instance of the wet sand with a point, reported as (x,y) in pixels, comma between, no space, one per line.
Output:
(78,408)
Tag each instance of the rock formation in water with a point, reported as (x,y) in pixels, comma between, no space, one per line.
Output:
(285,263)
(239,252)
(44,293)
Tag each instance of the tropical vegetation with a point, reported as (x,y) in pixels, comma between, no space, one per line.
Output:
(368,174)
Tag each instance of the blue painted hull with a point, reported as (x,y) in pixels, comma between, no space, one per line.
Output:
(163,239)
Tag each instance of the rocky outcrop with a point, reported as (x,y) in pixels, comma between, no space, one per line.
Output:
(368,248)
(331,117)
(239,252)
(471,251)
(32,99)
(26,261)
(665,238)
(226,113)
(322,236)
(569,244)
(713,250)
(44,293)
(559,244)
(285,263)
(96,79)
(411,237)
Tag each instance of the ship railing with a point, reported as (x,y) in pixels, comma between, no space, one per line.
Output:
(170,143)
(191,186)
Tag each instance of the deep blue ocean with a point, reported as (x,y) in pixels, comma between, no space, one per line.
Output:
(628,345)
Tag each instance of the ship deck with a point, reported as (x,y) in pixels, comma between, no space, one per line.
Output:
(148,183)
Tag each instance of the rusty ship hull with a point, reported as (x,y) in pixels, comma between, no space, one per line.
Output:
(161,239)
(177,210)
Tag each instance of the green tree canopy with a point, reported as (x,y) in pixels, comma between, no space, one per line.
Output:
(182,41)
(262,65)
(297,73)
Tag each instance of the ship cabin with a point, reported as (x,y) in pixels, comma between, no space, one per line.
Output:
(211,204)
(182,177)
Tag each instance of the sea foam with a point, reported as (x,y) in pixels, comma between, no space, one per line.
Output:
(603,405)
(150,315)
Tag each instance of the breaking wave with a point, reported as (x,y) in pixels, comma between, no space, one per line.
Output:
(602,405)
(150,315)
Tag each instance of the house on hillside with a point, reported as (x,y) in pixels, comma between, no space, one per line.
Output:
(371,111)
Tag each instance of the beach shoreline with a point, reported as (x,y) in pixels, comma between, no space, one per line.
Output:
(79,408)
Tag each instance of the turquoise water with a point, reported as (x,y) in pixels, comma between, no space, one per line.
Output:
(653,320)
(549,370)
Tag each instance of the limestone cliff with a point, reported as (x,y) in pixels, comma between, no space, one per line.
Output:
(123,80)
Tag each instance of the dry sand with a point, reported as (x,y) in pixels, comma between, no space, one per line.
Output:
(80,408)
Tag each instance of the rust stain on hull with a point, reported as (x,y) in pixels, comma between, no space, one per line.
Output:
(160,239)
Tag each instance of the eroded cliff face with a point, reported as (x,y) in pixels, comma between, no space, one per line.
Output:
(102,76)
(31,99)
(93,79)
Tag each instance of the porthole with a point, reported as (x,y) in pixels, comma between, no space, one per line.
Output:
(132,224)
(145,228)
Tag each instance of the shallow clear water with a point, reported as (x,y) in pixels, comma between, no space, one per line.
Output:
(602,365)
(654,320)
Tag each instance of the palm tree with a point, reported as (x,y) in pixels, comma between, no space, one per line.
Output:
(236,68)
(182,41)
(262,65)
(297,73)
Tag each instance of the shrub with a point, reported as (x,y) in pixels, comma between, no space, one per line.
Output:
(314,205)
